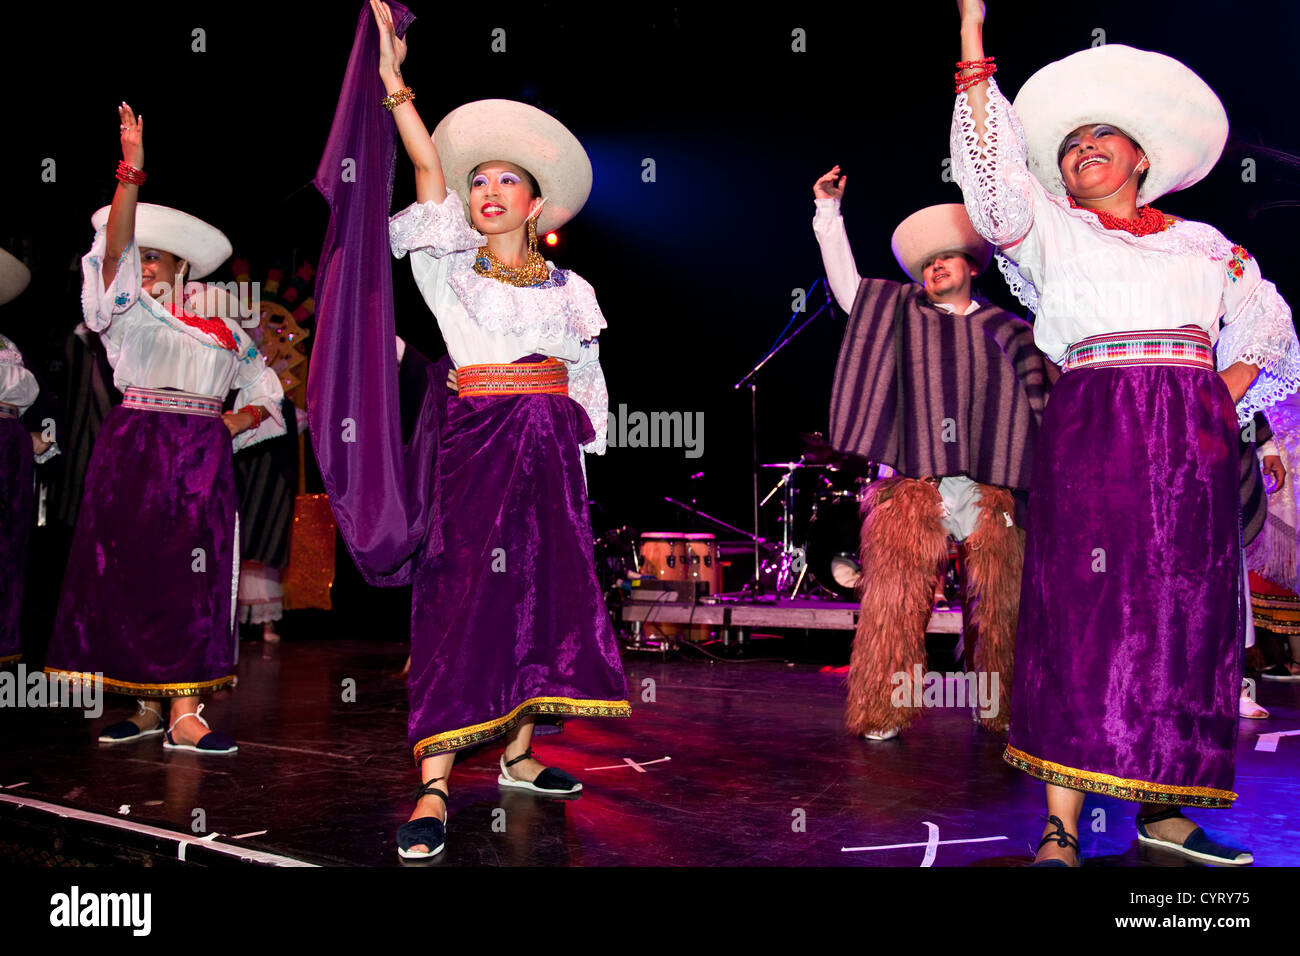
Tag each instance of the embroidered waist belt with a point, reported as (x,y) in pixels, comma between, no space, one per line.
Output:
(550,377)
(1186,346)
(167,400)
(8,411)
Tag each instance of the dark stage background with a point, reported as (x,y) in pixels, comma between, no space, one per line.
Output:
(695,270)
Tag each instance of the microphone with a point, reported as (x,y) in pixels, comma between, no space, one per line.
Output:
(1125,182)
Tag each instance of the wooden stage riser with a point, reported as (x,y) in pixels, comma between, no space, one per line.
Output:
(836,617)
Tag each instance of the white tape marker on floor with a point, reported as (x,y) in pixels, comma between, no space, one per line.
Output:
(904,846)
(931,845)
(183,840)
(1268,742)
(629,762)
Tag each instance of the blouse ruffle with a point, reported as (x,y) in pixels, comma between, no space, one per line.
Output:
(484,320)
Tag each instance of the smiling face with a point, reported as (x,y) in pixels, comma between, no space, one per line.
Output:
(1098,160)
(501,197)
(947,275)
(160,270)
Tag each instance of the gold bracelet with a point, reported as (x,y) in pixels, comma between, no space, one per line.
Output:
(394,100)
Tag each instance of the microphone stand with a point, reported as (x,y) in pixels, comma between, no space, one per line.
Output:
(753,409)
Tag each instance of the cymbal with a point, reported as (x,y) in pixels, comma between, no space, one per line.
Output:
(790,465)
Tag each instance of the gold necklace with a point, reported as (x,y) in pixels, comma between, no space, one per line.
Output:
(534,271)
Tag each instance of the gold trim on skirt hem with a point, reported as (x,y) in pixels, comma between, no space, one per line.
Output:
(565,706)
(11,659)
(1139,791)
(113,686)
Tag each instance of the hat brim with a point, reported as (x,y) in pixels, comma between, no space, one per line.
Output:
(1170,112)
(505,130)
(14,277)
(934,230)
(187,237)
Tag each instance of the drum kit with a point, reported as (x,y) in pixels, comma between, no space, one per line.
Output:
(822,496)
(819,498)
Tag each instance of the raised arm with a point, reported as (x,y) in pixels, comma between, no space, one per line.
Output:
(828,226)
(121,216)
(989,159)
(972,51)
(429,184)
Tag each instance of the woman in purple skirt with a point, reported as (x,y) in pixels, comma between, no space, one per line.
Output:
(1127,663)
(20,450)
(484,511)
(148,597)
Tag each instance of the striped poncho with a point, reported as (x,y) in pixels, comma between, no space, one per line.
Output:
(933,393)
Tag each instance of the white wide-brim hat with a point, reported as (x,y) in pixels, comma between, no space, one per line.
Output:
(1170,112)
(187,237)
(517,133)
(14,277)
(935,229)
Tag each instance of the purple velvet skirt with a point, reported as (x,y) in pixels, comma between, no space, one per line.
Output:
(16,476)
(507,620)
(1127,667)
(149,591)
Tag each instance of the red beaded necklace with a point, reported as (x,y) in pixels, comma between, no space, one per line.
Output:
(1149,221)
(213,327)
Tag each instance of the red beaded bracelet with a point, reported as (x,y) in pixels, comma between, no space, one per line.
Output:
(985,67)
(126,173)
(256,412)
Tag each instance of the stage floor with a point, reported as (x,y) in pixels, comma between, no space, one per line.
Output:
(721,764)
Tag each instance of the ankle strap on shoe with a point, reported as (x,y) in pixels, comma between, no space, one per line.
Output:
(197,715)
(1062,838)
(427,788)
(523,756)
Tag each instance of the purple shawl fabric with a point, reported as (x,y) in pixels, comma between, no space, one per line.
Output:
(383,494)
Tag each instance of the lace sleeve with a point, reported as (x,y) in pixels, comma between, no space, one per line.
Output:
(17,385)
(587,388)
(99,305)
(992,169)
(257,384)
(1257,329)
(1020,287)
(436,228)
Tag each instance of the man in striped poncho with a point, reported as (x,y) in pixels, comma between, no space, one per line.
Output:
(948,391)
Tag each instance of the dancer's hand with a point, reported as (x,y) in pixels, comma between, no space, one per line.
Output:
(1273,468)
(972,12)
(392,49)
(830,186)
(451,381)
(132,130)
(1239,377)
(237,422)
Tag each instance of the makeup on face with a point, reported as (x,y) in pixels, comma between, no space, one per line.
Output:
(500,194)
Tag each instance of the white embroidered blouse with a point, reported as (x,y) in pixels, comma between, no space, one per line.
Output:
(148,347)
(18,387)
(486,321)
(1082,279)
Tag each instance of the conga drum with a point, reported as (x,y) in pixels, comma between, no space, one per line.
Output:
(664,556)
(705,566)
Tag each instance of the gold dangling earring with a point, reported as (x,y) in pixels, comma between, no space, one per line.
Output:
(532,236)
